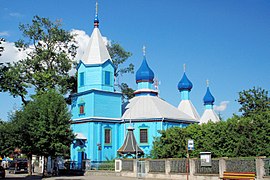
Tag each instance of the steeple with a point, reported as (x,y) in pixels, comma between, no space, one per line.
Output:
(185,83)
(144,73)
(208,97)
(96,51)
(185,105)
(209,113)
(145,78)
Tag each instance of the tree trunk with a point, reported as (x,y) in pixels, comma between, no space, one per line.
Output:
(29,159)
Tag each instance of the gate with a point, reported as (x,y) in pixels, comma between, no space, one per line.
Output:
(140,169)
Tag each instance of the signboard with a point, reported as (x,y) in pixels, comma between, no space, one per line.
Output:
(190,144)
(205,159)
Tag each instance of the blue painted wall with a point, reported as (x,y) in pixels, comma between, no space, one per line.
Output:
(94,77)
(145,85)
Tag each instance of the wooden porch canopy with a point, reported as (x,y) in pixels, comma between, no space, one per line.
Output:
(130,146)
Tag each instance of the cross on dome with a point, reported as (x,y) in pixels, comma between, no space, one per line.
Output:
(96,21)
(207,83)
(144,50)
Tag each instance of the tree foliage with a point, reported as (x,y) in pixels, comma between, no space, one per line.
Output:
(239,136)
(119,56)
(49,59)
(41,127)
(253,101)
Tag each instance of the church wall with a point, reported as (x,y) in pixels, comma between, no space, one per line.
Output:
(107,105)
(107,67)
(84,129)
(85,100)
(145,85)
(92,78)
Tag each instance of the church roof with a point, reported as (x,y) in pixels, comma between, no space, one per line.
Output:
(209,115)
(96,52)
(188,108)
(153,107)
(208,97)
(130,145)
(144,73)
(185,83)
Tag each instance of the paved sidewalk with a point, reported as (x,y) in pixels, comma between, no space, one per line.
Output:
(89,178)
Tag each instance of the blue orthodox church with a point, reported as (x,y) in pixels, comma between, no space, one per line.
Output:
(98,119)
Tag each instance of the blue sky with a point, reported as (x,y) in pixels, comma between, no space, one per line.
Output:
(227,42)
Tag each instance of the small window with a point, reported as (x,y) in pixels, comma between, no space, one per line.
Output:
(82,79)
(81,109)
(107,78)
(108,136)
(143,136)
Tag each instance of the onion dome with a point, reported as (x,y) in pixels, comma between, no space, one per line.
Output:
(144,73)
(185,83)
(208,98)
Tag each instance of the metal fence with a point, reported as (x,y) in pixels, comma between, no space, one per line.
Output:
(157,166)
(267,166)
(127,165)
(241,165)
(213,169)
(178,165)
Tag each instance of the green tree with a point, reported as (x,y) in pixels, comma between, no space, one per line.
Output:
(119,56)
(238,136)
(47,64)
(6,139)
(253,101)
(46,125)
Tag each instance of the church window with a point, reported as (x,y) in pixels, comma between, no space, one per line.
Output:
(143,135)
(107,78)
(81,109)
(82,79)
(108,137)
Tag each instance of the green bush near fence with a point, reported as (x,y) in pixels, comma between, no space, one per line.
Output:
(106,166)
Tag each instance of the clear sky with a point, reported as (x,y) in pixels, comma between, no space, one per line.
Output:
(225,41)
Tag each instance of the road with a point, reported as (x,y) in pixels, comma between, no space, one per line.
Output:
(38,177)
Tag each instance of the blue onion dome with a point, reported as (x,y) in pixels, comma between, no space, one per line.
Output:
(96,21)
(208,98)
(185,83)
(144,73)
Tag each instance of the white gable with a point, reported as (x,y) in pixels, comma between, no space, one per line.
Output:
(209,115)
(187,107)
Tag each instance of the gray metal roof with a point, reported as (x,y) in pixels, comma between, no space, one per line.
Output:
(153,107)
(130,145)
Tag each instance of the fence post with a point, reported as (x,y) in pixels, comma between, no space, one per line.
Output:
(260,167)
(146,167)
(192,168)
(118,165)
(135,169)
(222,166)
(167,167)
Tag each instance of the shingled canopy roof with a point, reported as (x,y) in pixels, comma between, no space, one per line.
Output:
(130,146)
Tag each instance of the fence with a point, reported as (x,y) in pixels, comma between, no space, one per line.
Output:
(102,165)
(176,168)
